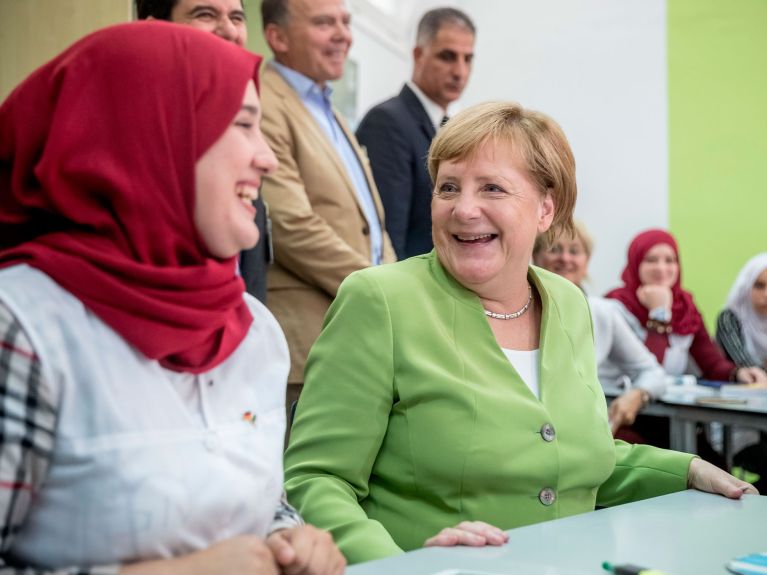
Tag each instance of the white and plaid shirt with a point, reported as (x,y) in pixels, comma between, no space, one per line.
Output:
(28,418)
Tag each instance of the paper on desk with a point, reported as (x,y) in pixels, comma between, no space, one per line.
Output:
(690,391)
(464,572)
(518,567)
(744,390)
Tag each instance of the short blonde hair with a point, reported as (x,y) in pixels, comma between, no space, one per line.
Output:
(580,232)
(537,139)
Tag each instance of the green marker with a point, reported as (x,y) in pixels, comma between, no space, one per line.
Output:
(630,570)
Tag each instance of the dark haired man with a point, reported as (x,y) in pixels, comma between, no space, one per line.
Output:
(398,132)
(225,18)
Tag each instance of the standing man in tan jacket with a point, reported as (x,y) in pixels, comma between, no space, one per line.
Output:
(326,214)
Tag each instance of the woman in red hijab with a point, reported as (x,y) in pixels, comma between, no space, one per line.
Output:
(664,315)
(142,390)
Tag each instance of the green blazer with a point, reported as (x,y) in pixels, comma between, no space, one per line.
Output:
(412,419)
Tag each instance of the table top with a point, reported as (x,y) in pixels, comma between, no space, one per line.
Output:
(706,396)
(685,533)
(700,396)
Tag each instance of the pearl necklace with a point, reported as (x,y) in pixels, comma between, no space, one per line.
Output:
(515,314)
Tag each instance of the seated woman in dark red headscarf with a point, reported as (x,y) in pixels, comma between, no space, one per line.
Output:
(142,391)
(665,317)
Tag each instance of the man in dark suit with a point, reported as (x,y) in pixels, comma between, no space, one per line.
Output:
(226,19)
(398,132)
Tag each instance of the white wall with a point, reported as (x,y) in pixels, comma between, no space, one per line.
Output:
(599,68)
(382,57)
(384,35)
(596,66)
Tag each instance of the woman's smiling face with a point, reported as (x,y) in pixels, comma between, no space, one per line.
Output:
(759,294)
(567,257)
(660,266)
(227,179)
(486,213)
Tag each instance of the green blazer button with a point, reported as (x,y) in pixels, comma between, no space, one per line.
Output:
(547,496)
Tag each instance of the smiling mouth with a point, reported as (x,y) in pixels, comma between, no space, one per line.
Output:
(475,238)
(247,193)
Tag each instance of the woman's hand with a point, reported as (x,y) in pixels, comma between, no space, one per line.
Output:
(235,556)
(306,550)
(706,477)
(751,375)
(652,296)
(623,410)
(470,533)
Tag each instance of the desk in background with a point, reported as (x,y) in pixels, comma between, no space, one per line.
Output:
(686,533)
(681,405)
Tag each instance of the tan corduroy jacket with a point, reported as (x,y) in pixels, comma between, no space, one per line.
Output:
(319,232)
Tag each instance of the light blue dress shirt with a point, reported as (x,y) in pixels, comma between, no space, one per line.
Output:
(317,101)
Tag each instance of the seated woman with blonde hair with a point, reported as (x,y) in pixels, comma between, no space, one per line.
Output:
(454,395)
(620,354)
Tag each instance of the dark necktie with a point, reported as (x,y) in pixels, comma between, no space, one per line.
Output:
(445,118)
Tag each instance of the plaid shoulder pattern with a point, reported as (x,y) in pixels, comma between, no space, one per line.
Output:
(27,422)
(285,516)
(27,431)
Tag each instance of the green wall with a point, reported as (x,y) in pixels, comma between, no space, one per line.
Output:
(256,42)
(717,71)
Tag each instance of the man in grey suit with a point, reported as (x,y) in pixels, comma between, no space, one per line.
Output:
(397,133)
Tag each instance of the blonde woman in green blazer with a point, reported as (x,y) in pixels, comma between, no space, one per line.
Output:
(455,395)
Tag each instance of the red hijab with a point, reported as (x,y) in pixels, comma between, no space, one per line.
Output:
(685,318)
(97,189)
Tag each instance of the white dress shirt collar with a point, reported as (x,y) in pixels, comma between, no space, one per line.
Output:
(433,110)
